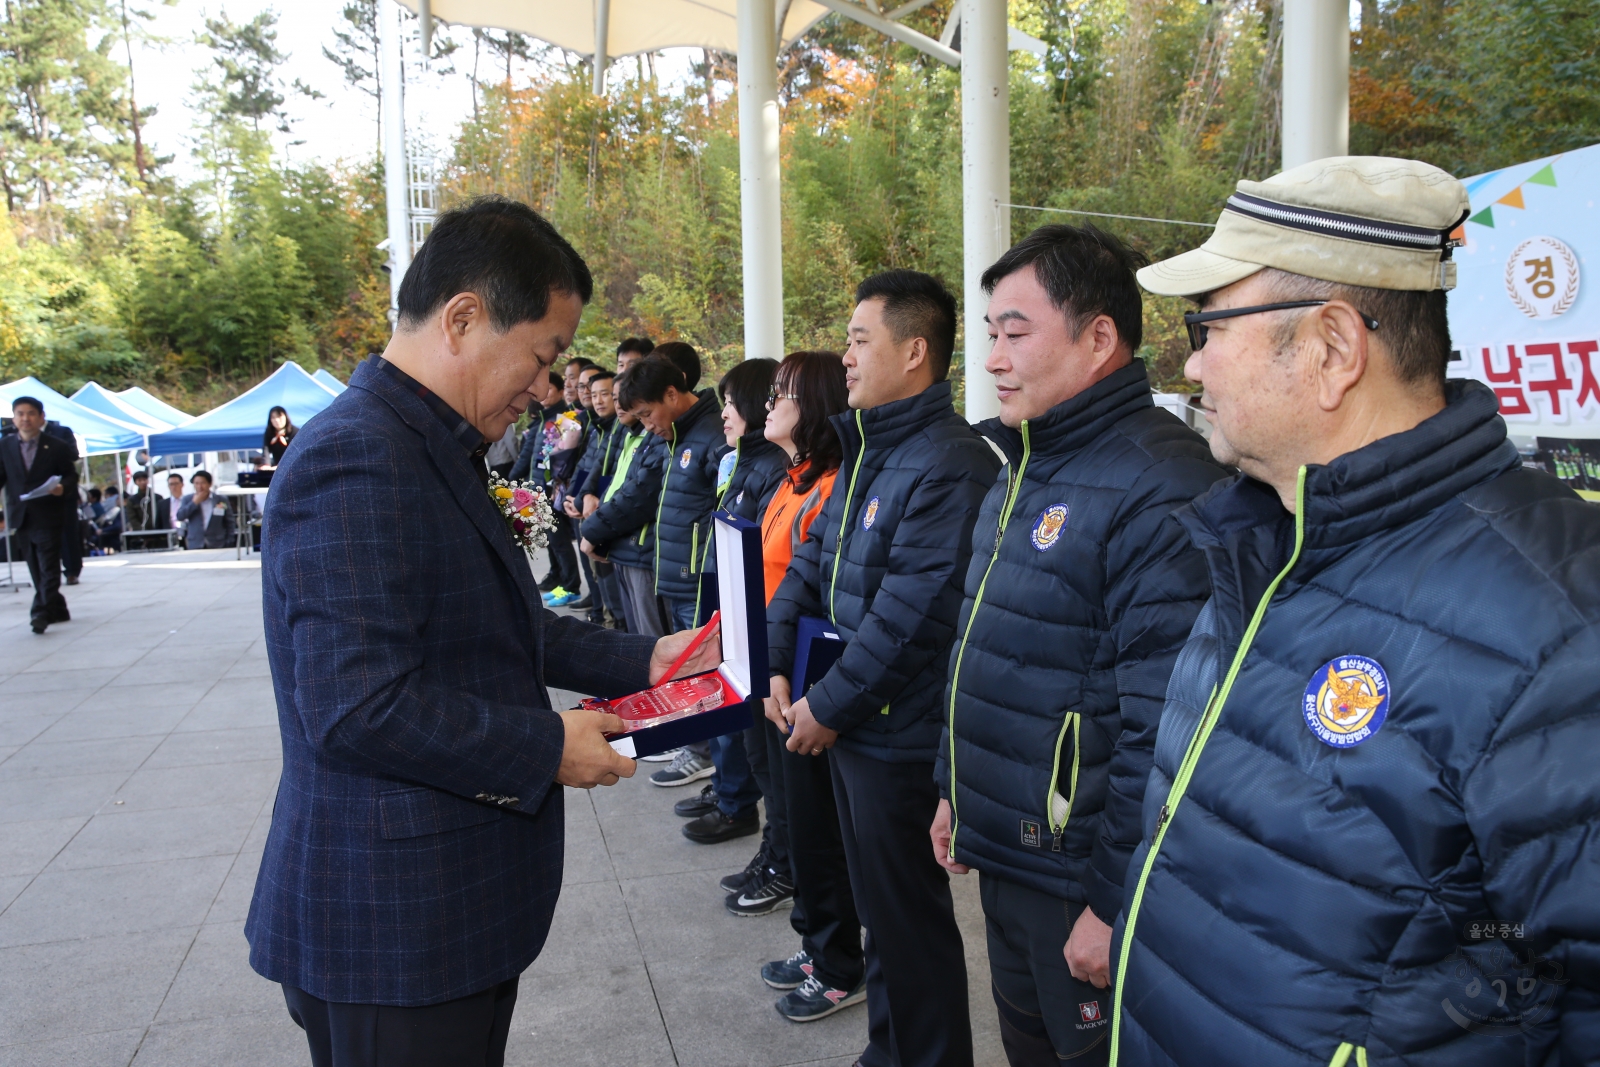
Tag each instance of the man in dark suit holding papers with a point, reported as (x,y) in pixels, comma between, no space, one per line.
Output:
(415,853)
(29,459)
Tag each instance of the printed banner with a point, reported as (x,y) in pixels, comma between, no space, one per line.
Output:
(1522,316)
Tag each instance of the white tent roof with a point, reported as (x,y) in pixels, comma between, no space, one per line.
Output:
(635,25)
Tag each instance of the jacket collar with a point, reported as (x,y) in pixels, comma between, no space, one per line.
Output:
(456,465)
(754,444)
(1388,483)
(1078,420)
(887,425)
(703,408)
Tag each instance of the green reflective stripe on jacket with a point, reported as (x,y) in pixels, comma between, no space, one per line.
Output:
(1197,744)
(624,463)
(1012,490)
(844,519)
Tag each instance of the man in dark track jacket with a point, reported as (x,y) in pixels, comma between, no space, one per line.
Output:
(622,529)
(415,853)
(884,563)
(1082,589)
(1372,830)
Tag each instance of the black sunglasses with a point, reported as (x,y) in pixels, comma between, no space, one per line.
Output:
(1195,321)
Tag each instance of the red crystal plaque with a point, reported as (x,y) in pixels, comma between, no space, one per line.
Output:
(668,701)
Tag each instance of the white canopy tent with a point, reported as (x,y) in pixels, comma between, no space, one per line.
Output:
(1315,119)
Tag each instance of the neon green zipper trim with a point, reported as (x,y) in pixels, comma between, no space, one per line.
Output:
(1073,720)
(624,464)
(1197,744)
(1341,1056)
(1012,492)
(660,499)
(844,521)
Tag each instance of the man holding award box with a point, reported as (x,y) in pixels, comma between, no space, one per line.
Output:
(415,852)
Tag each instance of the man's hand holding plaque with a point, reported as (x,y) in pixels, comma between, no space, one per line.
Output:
(587,759)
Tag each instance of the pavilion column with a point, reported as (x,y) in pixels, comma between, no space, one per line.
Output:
(758,180)
(1316,80)
(985,182)
(602,41)
(396,186)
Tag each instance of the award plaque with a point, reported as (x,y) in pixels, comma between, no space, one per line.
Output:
(681,711)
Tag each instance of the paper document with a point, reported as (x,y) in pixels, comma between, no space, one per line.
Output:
(43,490)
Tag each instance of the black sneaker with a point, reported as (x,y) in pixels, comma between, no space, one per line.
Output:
(813,1000)
(736,883)
(584,603)
(714,828)
(687,766)
(789,973)
(702,803)
(762,897)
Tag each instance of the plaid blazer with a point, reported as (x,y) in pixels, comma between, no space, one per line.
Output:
(416,844)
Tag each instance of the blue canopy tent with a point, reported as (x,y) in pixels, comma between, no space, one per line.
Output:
(329,381)
(241,422)
(101,434)
(154,405)
(97,397)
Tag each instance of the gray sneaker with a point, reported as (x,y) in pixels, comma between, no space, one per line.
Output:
(688,767)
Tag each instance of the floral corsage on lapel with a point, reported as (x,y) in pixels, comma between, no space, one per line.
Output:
(526,511)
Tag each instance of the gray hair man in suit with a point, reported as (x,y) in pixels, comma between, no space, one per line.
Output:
(29,458)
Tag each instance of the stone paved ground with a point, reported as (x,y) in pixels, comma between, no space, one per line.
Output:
(138,759)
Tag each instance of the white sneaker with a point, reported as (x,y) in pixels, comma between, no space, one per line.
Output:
(686,767)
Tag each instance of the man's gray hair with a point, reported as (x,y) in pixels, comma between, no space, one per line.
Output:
(1413,330)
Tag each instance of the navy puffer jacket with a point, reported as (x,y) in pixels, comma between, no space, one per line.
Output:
(1383,734)
(1082,589)
(688,497)
(884,560)
(758,471)
(623,528)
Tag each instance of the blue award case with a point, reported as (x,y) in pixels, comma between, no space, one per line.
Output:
(741,589)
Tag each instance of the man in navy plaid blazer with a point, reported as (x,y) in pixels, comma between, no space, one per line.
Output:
(416,845)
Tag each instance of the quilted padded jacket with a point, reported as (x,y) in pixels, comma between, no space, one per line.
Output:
(884,561)
(1082,589)
(623,527)
(1381,740)
(688,497)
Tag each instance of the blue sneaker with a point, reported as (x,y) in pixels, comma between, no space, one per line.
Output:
(559,599)
(550,594)
(789,973)
(813,1000)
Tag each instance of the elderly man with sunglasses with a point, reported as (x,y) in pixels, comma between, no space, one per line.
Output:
(1372,833)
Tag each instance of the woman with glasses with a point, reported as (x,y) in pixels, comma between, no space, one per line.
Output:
(807,392)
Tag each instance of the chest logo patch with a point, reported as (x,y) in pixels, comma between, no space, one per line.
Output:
(683,460)
(740,498)
(870,516)
(1047,528)
(1346,701)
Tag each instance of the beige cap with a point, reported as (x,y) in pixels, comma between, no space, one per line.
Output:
(1360,220)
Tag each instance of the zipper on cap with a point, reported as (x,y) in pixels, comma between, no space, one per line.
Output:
(1328,223)
(1013,489)
(1197,744)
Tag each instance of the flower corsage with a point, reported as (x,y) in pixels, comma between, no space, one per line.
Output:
(526,510)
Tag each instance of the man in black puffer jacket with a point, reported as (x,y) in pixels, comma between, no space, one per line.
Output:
(622,529)
(1372,832)
(1082,589)
(884,563)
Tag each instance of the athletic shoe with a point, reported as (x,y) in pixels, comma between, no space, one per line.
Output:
(702,803)
(559,599)
(736,883)
(583,604)
(714,828)
(687,767)
(789,973)
(762,897)
(558,591)
(662,757)
(813,1000)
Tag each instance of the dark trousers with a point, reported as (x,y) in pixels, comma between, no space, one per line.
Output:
(468,1032)
(916,969)
(563,557)
(769,781)
(597,607)
(43,547)
(70,552)
(824,912)
(1047,1017)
